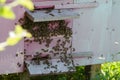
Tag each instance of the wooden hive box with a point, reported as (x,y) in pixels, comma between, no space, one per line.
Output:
(95,36)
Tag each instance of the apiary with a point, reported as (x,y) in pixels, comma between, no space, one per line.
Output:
(65,34)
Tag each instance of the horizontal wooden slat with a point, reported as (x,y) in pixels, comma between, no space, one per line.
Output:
(80,5)
(44,15)
(82,54)
(74,55)
(67,6)
(51,2)
(55,68)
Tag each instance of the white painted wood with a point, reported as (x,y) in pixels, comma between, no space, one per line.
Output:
(115,31)
(90,32)
(82,54)
(42,15)
(38,69)
(79,1)
(61,67)
(79,6)
(51,2)
(65,6)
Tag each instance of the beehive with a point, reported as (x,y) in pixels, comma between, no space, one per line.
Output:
(94,38)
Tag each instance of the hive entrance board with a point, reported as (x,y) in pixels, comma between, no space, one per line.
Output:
(51,15)
(56,67)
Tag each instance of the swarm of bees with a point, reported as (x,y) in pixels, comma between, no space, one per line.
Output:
(42,33)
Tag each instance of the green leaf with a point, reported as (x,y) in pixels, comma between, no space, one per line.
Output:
(6,12)
(20,30)
(26,3)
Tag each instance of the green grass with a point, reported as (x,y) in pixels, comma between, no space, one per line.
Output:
(109,71)
(10,77)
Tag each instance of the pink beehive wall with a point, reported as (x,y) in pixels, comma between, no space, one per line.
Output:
(31,47)
(12,59)
(10,62)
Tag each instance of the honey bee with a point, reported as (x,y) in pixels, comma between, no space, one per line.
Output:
(16,55)
(52,14)
(19,65)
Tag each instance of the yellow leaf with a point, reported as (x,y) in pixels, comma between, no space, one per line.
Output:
(2,1)
(18,29)
(26,3)
(2,48)
(28,35)
(6,12)
(13,41)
